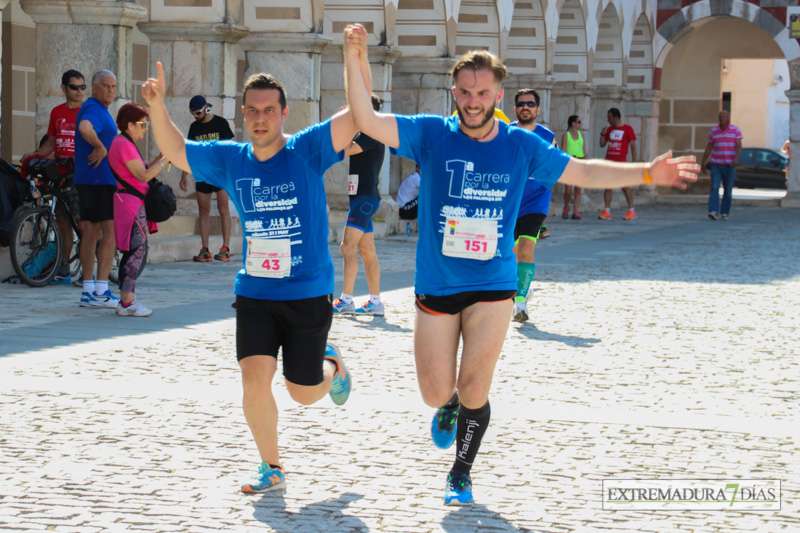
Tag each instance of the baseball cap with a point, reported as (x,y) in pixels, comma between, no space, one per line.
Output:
(197,103)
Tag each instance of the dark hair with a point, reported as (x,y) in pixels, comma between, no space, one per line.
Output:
(264,81)
(131,112)
(68,75)
(615,112)
(376,102)
(571,119)
(523,92)
(480,60)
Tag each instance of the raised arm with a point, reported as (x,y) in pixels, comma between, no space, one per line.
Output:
(380,126)
(602,174)
(168,137)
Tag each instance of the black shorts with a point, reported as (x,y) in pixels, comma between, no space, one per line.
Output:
(68,203)
(452,304)
(409,211)
(96,202)
(206,188)
(529,226)
(299,326)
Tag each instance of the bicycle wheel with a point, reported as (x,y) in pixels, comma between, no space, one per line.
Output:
(113,275)
(75,259)
(35,246)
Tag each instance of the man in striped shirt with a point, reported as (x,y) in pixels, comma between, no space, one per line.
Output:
(724,147)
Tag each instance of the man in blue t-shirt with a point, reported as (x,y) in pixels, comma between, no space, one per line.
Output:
(284,292)
(473,170)
(534,207)
(96,187)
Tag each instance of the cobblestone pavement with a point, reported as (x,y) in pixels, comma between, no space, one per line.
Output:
(667,347)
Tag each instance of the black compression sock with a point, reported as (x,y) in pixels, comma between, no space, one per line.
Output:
(471,426)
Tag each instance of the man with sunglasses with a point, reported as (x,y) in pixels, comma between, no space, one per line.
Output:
(534,207)
(209,127)
(61,142)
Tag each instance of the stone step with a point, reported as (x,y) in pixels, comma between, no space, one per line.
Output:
(184,247)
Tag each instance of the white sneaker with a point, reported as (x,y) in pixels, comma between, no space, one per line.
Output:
(106,299)
(520,312)
(135,309)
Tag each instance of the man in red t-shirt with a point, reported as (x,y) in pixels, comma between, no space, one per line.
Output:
(60,142)
(619,137)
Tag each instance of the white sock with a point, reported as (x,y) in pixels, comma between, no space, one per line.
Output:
(632,209)
(346,298)
(100,287)
(88,286)
(375,299)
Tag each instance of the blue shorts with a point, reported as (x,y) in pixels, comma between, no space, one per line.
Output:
(362,208)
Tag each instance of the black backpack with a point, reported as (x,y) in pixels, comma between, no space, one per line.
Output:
(14,192)
(159,204)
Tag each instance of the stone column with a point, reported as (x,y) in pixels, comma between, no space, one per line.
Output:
(3,4)
(295,59)
(792,198)
(69,34)
(642,113)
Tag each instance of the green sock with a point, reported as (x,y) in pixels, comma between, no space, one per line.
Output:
(525,273)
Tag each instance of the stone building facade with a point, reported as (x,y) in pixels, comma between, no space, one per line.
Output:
(583,56)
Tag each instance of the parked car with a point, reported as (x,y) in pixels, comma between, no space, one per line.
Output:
(761,168)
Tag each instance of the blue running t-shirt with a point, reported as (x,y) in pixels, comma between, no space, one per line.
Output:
(535,198)
(461,177)
(281,198)
(106,129)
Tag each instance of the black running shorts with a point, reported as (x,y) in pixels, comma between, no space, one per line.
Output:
(452,304)
(529,226)
(299,326)
(206,188)
(96,202)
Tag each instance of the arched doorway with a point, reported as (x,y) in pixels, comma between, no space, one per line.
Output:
(689,71)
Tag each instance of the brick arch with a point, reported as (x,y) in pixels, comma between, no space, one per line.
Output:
(673,22)
(607,68)
(570,62)
(527,39)
(421,28)
(478,27)
(640,58)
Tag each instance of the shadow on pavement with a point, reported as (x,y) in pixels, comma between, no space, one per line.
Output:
(380,323)
(320,516)
(476,518)
(532,332)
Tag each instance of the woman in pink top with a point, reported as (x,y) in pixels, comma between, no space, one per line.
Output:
(130,222)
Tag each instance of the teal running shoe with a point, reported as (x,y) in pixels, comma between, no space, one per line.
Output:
(443,427)
(342,309)
(267,479)
(459,489)
(340,388)
(370,309)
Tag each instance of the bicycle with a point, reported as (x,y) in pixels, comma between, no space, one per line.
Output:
(36,244)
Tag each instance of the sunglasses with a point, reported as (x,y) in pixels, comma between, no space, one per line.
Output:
(74,87)
(198,113)
(527,104)
(143,124)
(576,122)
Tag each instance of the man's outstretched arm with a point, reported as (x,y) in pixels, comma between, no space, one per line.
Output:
(168,137)
(602,174)
(380,126)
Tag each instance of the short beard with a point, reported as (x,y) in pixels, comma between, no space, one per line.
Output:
(489,115)
(525,122)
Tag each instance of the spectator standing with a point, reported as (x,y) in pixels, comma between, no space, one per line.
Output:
(209,127)
(574,144)
(96,188)
(61,143)
(619,137)
(130,222)
(408,196)
(786,151)
(724,147)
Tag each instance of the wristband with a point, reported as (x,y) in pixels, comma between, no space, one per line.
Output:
(647,179)
(161,163)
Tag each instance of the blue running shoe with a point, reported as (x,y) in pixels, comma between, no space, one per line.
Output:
(88,300)
(340,388)
(443,427)
(267,479)
(340,308)
(370,309)
(106,299)
(459,489)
